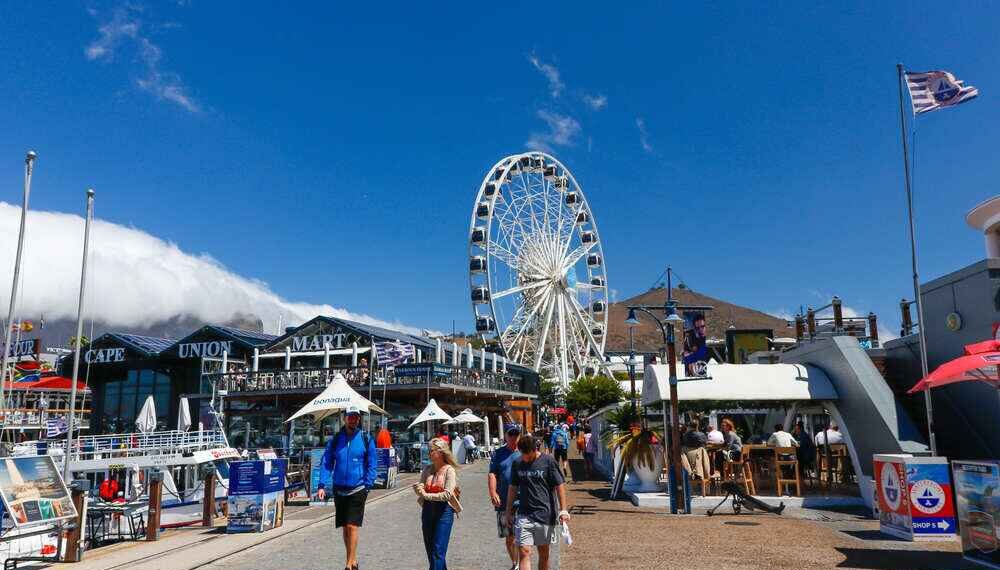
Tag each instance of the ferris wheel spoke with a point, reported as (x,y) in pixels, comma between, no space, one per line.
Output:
(588,335)
(512,290)
(577,254)
(527,321)
(545,331)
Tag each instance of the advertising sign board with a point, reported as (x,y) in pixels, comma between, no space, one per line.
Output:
(256,495)
(387,467)
(320,480)
(977,499)
(932,502)
(33,492)
(893,500)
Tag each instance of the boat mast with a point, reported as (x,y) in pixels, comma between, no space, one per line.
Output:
(79,333)
(29,163)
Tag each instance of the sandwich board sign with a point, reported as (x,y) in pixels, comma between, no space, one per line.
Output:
(977,500)
(893,500)
(932,501)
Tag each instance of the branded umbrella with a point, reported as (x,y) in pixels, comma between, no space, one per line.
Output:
(338,396)
(466,417)
(145,422)
(979,363)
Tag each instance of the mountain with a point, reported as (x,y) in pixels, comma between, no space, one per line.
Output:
(723,314)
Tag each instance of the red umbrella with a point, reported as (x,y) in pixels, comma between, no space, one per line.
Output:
(979,363)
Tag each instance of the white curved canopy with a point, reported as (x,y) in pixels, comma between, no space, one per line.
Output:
(466,417)
(337,397)
(430,413)
(779,382)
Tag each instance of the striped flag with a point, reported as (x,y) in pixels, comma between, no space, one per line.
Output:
(933,90)
(393,353)
(55,427)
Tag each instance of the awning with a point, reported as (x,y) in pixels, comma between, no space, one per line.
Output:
(779,382)
(466,417)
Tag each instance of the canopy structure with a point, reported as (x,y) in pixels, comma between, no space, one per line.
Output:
(466,417)
(778,382)
(980,362)
(145,422)
(337,397)
(431,412)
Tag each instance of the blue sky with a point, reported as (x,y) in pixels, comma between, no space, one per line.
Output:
(334,152)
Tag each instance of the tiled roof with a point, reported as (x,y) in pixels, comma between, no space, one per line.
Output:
(147,344)
(253,338)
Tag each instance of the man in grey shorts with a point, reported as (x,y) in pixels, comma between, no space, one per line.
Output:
(536,482)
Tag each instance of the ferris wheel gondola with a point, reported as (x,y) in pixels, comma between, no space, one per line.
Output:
(537,277)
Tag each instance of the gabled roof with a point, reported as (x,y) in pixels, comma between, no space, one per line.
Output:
(145,345)
(379,333)
(248,339)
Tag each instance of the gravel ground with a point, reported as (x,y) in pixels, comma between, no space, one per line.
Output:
(614,534)
(390,539)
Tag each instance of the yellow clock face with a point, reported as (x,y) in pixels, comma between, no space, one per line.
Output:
(953,321)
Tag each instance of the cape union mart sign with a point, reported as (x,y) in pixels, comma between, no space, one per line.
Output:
(102,355)
(210,349)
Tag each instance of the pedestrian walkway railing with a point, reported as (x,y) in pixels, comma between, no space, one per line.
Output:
(120,445)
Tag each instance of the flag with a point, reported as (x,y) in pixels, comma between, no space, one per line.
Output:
(55,427)
(933,90)
(393,353)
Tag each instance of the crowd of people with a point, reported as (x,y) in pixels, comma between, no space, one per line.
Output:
(525,485)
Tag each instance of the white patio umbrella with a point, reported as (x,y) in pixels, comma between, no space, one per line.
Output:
(145,422)
(466,417)
(431,412)
(184,416)
(337,397)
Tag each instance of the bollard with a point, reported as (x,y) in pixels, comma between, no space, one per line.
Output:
(838,314)
(74,536)
(873,329)
(155,505)
(208,503)
(811,322)
(907,325)
(800,327)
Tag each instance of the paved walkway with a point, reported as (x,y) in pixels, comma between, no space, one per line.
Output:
(391,538)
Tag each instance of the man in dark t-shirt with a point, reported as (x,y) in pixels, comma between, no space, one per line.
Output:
(536,482)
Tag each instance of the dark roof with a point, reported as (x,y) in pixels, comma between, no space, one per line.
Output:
(147,345)
(384,333)
(252,338)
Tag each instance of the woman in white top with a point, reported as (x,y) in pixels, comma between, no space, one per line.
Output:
(437,495)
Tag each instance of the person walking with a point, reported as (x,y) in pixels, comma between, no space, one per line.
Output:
(498,481)
(560,447)
(469,443)
(350,456)
(536,482)
(437,493)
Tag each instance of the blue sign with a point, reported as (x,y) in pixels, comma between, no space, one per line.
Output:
(256,477)
(320,480)
(386,467)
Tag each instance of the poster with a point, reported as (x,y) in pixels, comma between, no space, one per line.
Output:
(977,498)
(256,495)
(695,353)
(740,344)
(893,500)
(932,503)
(33,491)
(386,468)
(320,480)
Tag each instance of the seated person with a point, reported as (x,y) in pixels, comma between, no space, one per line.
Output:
(693,451)
(831,436)
(714,436)
(781,438)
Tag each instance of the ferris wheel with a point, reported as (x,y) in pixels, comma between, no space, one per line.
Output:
(537,277)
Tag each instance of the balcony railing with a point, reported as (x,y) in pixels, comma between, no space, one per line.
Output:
(316,379)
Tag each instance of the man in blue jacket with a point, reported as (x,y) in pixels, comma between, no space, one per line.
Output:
(350,456)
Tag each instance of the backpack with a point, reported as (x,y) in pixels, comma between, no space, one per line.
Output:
(561,442)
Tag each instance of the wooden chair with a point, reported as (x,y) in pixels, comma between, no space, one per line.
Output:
(786,459)
(740,468)
(701,457)
(838,457)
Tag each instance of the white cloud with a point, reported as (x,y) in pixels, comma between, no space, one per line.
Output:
(640,124)
(563,131)
(551,74)
(125,27)
(137,279)
(595,102)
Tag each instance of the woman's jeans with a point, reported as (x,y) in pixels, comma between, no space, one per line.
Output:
(436,520)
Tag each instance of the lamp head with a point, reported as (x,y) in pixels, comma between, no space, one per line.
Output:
(631,320)
(674,318)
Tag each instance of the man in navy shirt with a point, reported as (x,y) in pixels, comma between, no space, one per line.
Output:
(499,481)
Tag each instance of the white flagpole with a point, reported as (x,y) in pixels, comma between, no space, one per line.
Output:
(79,333)
(913,261)
(29,164)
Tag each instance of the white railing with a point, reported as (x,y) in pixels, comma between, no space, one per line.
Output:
(141,444)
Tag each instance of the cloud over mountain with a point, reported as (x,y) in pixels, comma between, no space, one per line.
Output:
(136,278)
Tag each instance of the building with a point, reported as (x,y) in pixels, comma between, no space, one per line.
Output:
(258,380)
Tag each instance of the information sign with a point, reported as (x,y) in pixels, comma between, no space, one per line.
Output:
(256,495)
(893,500)
(977,498)
(932,503)
(33,491)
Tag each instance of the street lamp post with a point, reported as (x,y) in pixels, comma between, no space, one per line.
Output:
(667,329)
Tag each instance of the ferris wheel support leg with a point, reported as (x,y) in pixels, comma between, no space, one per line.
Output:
(545,334)
(564,367)
(590,339)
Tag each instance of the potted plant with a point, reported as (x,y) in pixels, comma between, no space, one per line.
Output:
(635,447)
